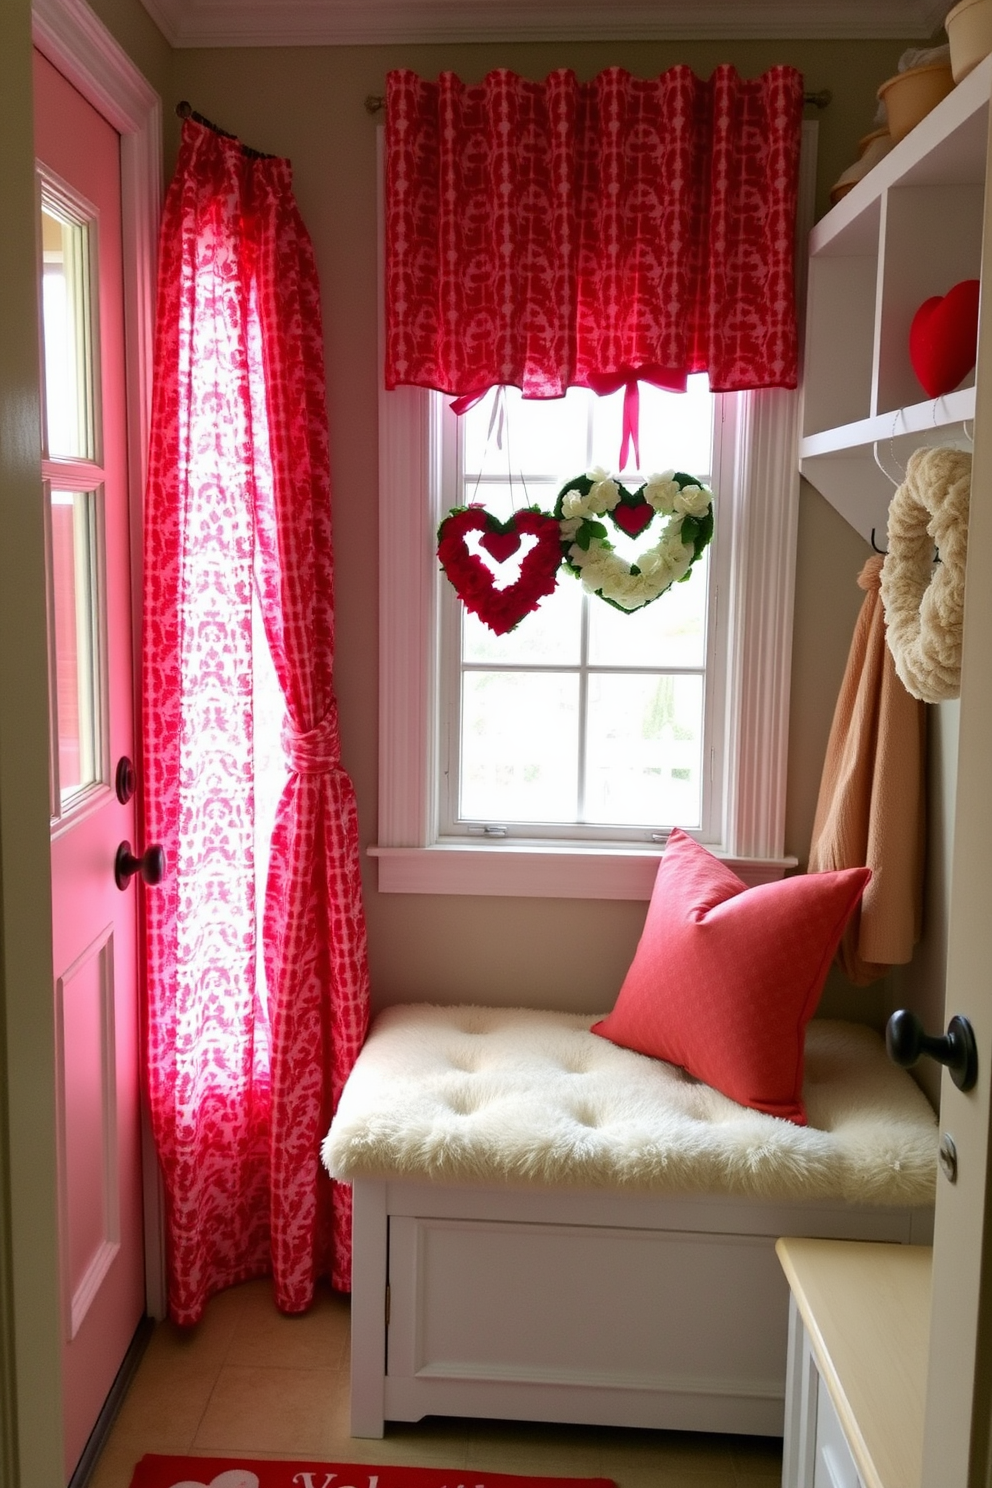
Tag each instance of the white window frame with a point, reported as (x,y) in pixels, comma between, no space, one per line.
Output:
(714,574)
(765,495)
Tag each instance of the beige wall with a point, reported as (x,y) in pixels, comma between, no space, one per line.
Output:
(133,28)
(308,104)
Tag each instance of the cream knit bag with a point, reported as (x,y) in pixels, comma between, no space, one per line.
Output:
(923,600)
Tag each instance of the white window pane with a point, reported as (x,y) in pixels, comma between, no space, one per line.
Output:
(67,339)
(520,735)
(669,632)
(546,436)
(503,497)
(644,750)
(75,615)
(549,636)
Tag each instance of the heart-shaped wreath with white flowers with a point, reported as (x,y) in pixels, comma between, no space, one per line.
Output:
(684,504)
(573,537)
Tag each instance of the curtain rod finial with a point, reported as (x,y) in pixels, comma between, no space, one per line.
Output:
(184,109)
(374,103)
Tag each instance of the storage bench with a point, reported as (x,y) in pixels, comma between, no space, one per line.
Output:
(548,1227)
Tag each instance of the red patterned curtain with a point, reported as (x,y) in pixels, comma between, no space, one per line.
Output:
(242,1088)
(561,233)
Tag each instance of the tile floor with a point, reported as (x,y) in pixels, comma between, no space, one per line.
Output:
(248,1380)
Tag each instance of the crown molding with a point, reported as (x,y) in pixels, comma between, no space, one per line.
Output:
(80,46)
(222,23)
(175,19)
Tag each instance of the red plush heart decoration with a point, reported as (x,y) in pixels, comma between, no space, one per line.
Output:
(475,585)
(500,545)
(943,338)
(632,519)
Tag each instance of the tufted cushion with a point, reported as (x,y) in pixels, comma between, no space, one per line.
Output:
(725,978)
(513,1096)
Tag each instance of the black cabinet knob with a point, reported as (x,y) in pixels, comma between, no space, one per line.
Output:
(907,1043)
(151,865)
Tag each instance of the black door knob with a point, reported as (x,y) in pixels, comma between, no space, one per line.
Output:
(151,865)
(907,1043)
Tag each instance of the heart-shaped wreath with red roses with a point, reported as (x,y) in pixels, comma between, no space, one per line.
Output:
(572,536)
(500,608)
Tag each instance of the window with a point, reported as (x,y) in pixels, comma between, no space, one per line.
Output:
(432,834)
(583,724)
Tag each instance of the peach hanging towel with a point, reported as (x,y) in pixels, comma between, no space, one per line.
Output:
(871,808)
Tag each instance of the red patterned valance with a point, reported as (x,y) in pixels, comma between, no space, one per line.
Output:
(561,233)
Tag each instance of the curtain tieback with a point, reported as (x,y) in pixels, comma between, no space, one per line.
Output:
(313,751)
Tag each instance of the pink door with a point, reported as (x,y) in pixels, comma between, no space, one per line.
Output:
(94,921)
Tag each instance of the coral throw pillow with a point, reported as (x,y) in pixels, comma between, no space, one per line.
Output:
(725,978)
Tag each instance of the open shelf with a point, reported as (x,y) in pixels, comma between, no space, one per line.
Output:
(909,230)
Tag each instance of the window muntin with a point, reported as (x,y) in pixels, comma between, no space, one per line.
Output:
(584,722)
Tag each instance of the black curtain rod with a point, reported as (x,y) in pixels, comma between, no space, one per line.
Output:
(187,111)
(375,102)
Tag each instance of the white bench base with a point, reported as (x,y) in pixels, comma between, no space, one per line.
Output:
(581,1306)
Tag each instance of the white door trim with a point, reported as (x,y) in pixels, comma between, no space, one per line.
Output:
(76,42)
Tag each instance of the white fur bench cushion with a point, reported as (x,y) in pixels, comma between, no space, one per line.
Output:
(483,1095)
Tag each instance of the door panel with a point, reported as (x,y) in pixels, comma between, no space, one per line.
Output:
(89,1204)
(94,923)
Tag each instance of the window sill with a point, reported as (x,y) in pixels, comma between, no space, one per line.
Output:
(541,870)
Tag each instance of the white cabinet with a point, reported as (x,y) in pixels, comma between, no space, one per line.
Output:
(816,1453)
(859,1326)
(910,229)
(833,1460)
(592,1305)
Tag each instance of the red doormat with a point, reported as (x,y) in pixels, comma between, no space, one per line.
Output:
(246,1472)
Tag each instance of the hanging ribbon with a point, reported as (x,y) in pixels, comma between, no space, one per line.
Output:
(629,378)
(602,384)
(497,419)
(465,401)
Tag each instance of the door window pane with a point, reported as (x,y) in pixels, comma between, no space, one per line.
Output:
(75,610)
(67,322)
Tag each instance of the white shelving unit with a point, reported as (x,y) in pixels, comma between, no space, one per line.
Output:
(910,229)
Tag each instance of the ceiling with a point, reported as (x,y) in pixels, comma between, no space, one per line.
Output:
(217,23)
